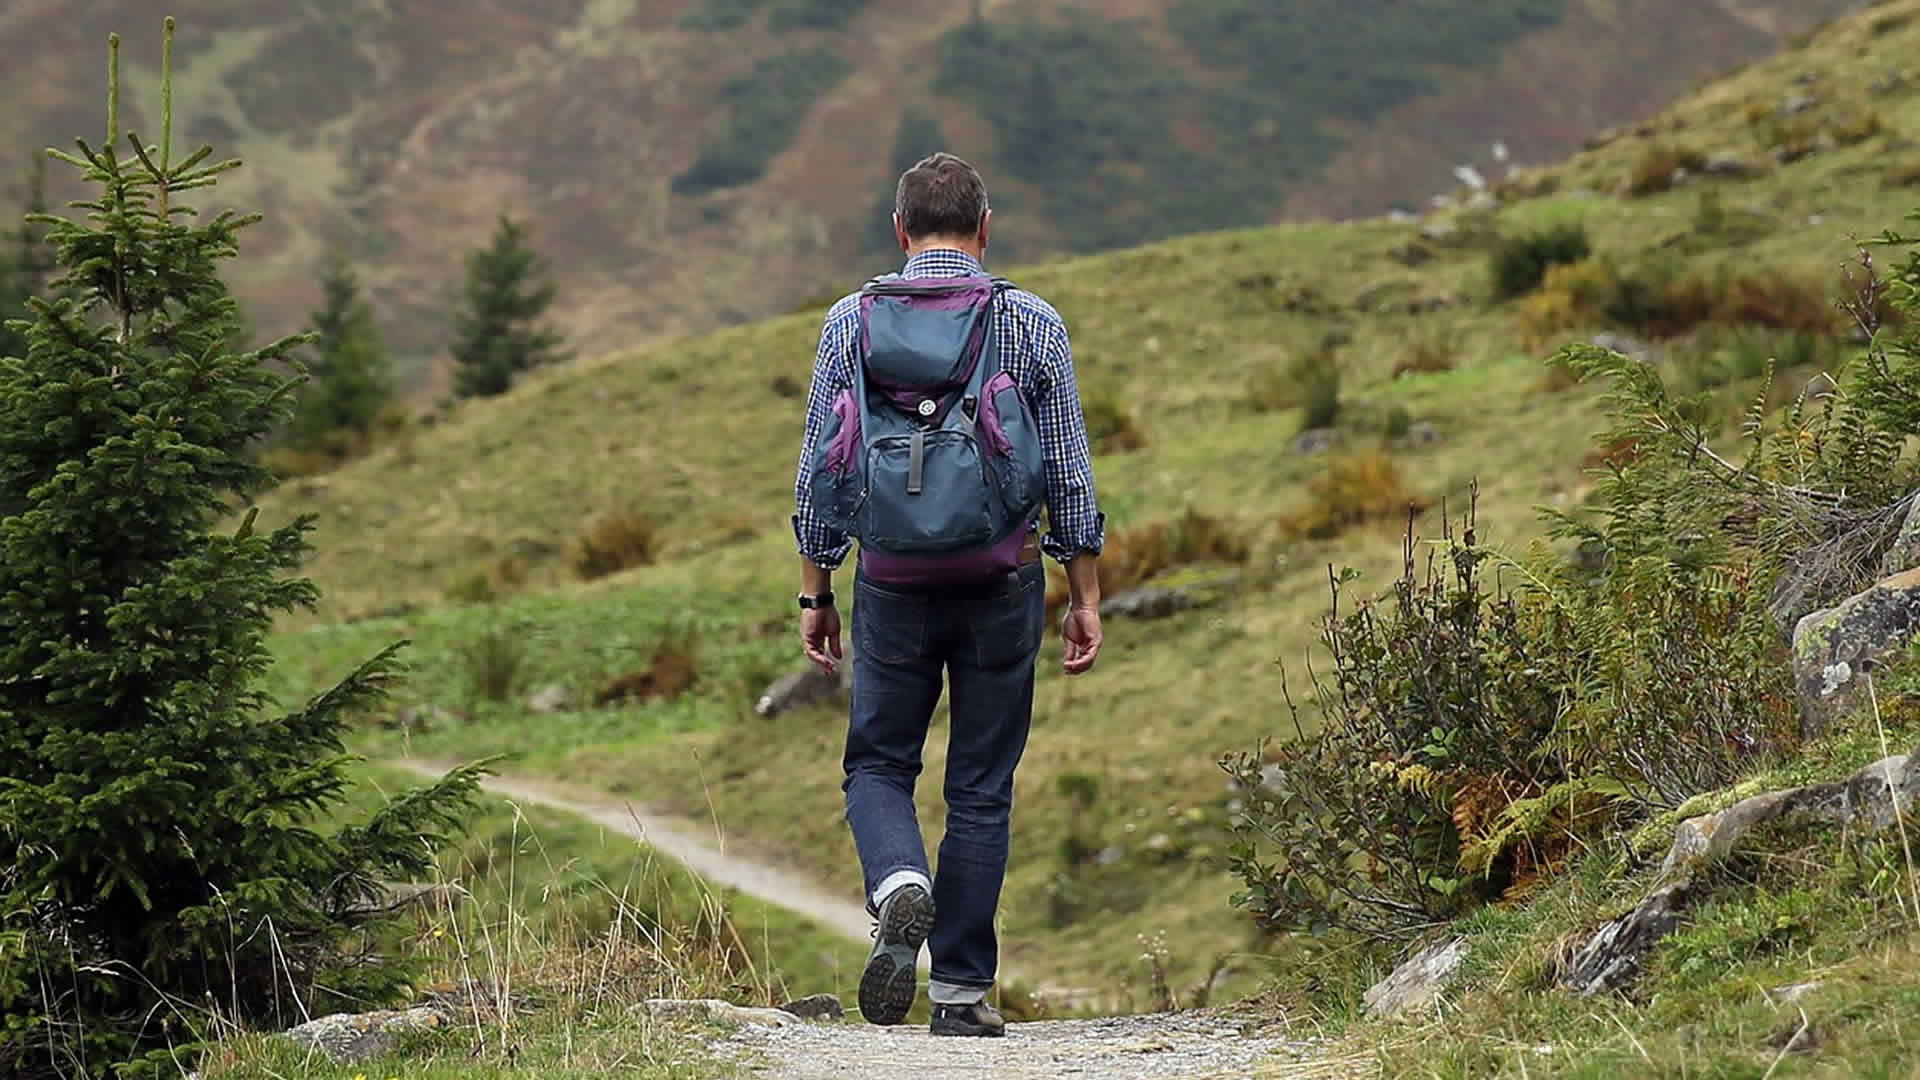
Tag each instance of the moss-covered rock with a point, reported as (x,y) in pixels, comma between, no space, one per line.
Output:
(1832,649)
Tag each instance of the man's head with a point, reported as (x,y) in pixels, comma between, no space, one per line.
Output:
(941,202)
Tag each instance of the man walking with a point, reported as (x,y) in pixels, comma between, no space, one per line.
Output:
(943,412)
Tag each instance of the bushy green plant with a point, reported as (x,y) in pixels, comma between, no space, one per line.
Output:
(1518,264)
(1472,738)
(1434,698)
(160,814)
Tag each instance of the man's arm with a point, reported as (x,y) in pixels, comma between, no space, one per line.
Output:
(1076,528)
(822,549)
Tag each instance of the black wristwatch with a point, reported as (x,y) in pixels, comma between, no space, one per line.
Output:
(823,600)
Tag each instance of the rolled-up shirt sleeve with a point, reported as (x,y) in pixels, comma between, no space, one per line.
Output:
(1075,524)
(823,546)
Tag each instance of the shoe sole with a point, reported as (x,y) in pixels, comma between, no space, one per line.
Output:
(889,984)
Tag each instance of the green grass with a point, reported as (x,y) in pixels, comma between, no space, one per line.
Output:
(695,435)
(579,926)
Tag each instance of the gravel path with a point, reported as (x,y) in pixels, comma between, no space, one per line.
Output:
(686,842)
(1190,1045)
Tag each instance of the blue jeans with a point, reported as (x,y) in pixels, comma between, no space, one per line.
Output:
(985,639)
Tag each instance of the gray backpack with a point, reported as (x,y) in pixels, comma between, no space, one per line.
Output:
(932,460)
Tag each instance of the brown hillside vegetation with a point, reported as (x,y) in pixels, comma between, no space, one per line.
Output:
(396,133)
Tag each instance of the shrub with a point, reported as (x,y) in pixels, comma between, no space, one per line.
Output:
(1856,127)
(1431,706)
(171,857)
(1656,168)
(1139,554)
(1353,490)
(1777,301)
(1901,175)
(1111,429)
(1319,377)
(1518,264)
(1430,350)
(670,672)
(618,541)
(1399,422)
(494,660)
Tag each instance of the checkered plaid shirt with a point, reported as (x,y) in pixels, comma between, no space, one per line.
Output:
(1034,350)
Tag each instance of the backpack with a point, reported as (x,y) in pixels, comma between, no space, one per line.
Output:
(932,459)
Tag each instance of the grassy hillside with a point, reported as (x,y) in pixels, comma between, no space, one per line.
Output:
(463,538)
(709,162)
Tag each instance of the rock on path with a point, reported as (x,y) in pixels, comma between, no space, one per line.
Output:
(1191,1045)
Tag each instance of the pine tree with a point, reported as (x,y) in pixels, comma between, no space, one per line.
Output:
(351,380)
(161,817)
(497,331)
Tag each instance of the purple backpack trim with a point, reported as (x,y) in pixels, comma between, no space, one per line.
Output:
(990,412)
(970,567)
(840,452)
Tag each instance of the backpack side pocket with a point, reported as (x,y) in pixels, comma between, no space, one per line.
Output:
(1012,437)
(834,481)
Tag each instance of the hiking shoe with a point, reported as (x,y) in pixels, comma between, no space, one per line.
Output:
(890,982)
(976,1019)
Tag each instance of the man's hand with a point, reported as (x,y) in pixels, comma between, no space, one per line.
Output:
(1081,631)
(820,637)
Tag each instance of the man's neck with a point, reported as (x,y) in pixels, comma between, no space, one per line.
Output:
(946,243)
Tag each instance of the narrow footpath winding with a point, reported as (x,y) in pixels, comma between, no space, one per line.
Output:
(682,840)
(1195,1044)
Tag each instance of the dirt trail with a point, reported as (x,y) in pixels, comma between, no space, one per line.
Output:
(1194,1044)
(686,842)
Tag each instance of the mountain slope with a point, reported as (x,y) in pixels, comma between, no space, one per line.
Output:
(709,162)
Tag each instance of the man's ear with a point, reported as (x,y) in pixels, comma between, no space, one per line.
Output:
(900,234)
(986,220)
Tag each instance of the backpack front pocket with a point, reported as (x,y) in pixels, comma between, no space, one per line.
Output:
(927,491)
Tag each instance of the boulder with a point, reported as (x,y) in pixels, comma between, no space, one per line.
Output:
(1832,649)
(816,1007)
(349,1038)
(1798,103)
(1316,441)
(552,699)
(1904,555)
(1871,800)
(718,1011)
(1731,166)
(802,688)
(1415,986)
(1628,346)
(1419,434)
